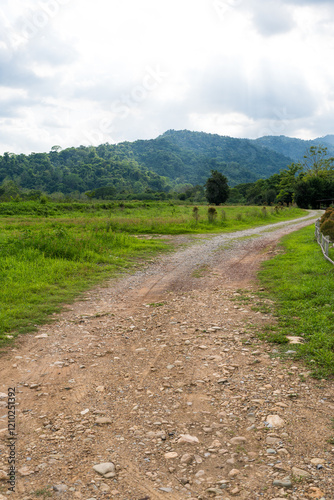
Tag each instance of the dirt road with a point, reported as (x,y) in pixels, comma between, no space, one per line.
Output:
(159,381)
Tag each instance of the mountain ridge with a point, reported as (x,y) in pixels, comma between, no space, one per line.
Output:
(174,160)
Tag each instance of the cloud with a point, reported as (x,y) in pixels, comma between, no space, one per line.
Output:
(81,73)
(268,90)
(272,18)
(13,70)
(13,107)
(315,3)
(279,17)
(50,50)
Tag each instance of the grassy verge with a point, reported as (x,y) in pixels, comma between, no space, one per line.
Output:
(45,266)
(149,217)
(301,282)
(179,219)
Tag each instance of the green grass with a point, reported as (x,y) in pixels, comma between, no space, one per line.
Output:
(200,271)
(50,253)
(47,264)
(301,282)
(166,218)
(43,492)
(149,217)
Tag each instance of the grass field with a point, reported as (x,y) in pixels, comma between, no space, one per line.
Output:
(301,282)
(50,253)
(145,217)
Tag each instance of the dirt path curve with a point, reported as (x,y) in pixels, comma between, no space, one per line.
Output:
(160,375)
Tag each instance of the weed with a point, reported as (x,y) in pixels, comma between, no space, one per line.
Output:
(212,214)
(200,271)
(264,212)
(43,492)
(196,214)
(297,479)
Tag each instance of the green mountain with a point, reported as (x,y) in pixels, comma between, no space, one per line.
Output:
(188,157)
(294,148)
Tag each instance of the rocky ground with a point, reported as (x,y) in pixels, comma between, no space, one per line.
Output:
(156,386)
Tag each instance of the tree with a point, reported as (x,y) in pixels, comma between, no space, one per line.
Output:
(310,190)
(316,161)
(287,183)
(216,188)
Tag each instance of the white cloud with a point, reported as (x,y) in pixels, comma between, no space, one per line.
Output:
(74,72)
(272,17)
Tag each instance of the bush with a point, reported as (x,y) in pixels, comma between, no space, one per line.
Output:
(212,214)
(327,228)
(264,212)
(329,214)
(196,214)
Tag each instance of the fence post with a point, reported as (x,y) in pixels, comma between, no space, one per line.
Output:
(326,245)
(317,231)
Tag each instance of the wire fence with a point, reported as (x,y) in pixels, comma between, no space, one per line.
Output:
(324,241)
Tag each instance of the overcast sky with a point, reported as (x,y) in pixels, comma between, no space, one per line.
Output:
(87,72)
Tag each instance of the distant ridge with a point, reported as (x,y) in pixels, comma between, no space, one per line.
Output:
(295,148)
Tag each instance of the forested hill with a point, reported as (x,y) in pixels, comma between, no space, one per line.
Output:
(186,156)
(295,148)
(78,170)
(171,161)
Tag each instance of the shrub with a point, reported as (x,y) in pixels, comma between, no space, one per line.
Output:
(196,214)
(327,228)
(329,214)
(212,214)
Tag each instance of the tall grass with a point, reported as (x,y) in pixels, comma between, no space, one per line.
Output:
(170,219)
(301,281)
(42,268)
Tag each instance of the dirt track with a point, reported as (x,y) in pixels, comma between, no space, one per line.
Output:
(127,374)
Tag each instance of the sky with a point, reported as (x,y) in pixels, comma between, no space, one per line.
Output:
(83,72)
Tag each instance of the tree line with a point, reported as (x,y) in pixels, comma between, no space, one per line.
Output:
(97,173)
(305,183)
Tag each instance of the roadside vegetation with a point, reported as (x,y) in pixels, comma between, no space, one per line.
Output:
(50,253)
(301,282)
(45,263)
(137,217)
